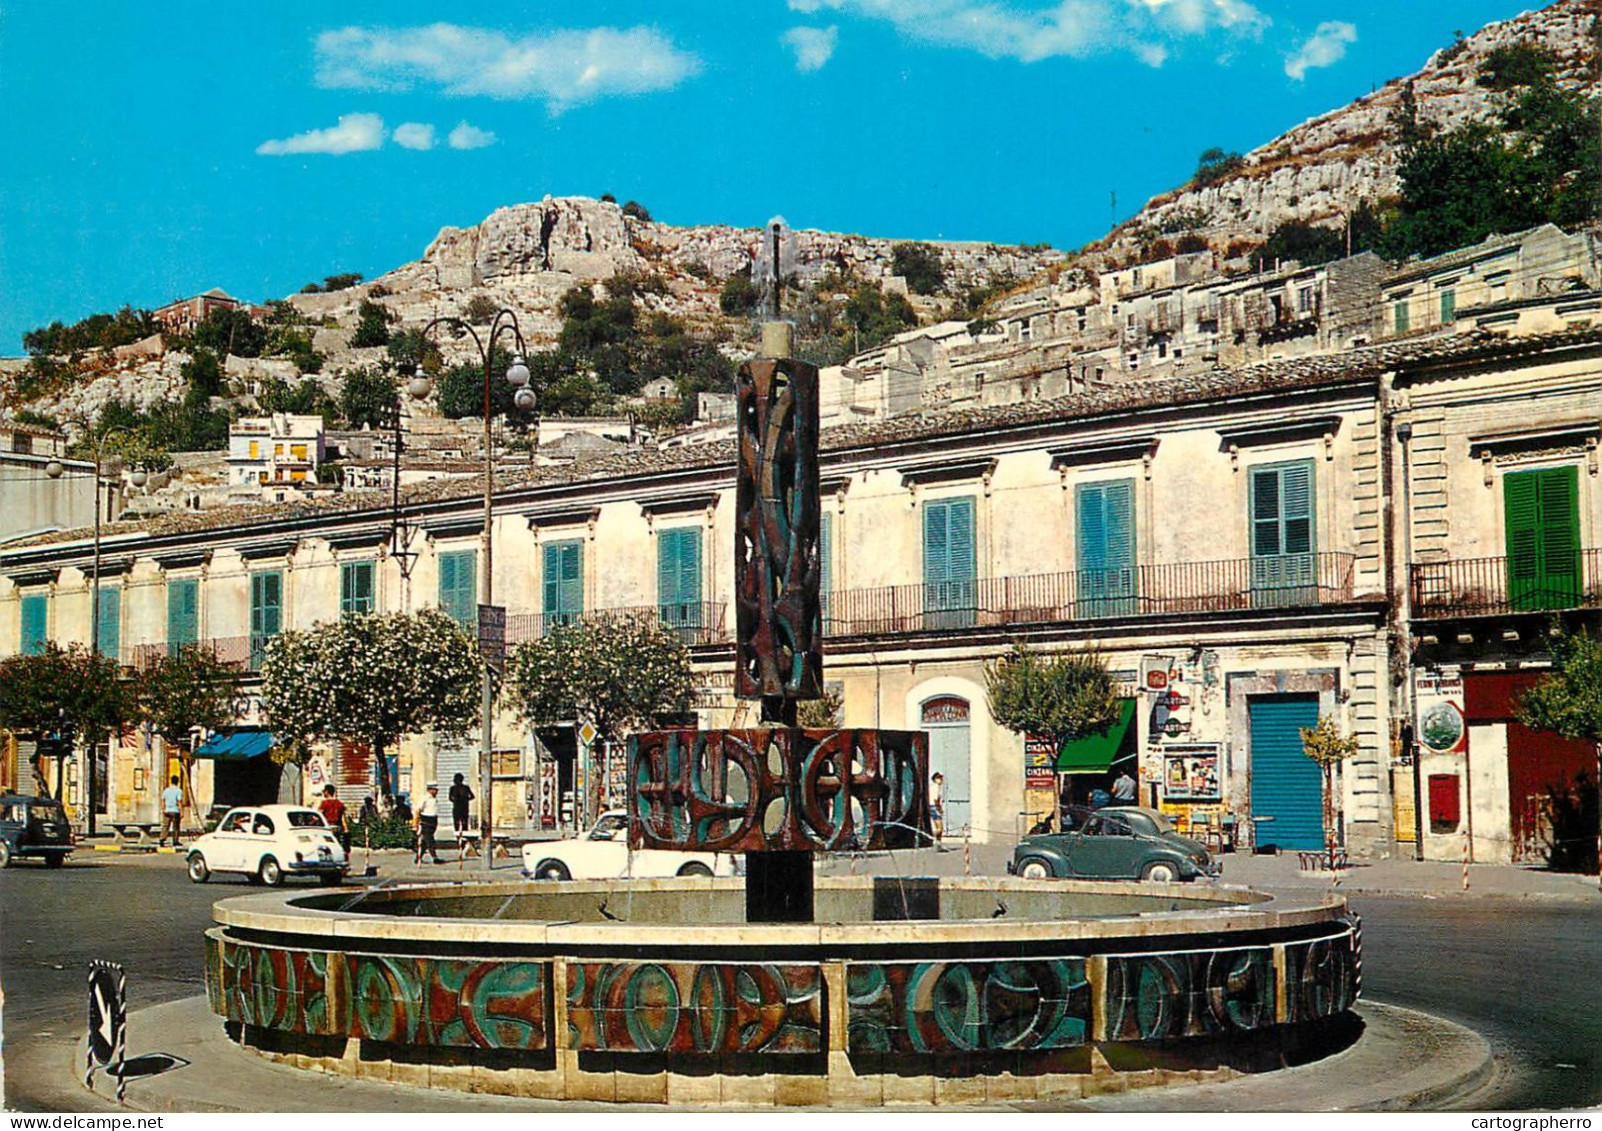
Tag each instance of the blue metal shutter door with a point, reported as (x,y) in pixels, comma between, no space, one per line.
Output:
(1286,783)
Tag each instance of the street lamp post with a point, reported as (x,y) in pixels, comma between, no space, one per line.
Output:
(504,322)
(55,469)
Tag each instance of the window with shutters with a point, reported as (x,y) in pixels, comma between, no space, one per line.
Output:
(266,612)
(564,582)
(1399,314)
(356,588)
(948,563)
(35,623)
(108,612)
(183,614)
(678,576)
(1542,517)
(1105,528)
(825,562)
(1448,305)
(1283,523)
(458,586)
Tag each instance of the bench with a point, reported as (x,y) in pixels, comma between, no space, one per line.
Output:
(467,845)
(146,832)
(1323,860)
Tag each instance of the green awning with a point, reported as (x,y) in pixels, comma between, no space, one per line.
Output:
(1093,753)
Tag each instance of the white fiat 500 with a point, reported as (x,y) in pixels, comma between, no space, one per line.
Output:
(603,854)
(266,844)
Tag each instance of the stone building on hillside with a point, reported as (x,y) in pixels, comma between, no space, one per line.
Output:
(183,315)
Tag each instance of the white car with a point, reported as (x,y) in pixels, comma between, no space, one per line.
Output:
(267,843)
(603,854)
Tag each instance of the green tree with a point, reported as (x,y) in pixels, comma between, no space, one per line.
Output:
(739,296)
(921,265)
(39,691)
(1215,165)
(372,325)
(189,687)
(409,348)
(227,330)
(1514,65)
(460,389)
(1328,747)
(619,673)
(371,679)
(203,372)
(368,398)
(480,310)
(1060,696)
(1568,701)
(300,398)
(637,210)
(332,283)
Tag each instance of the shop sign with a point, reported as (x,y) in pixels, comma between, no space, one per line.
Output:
(1441,728)
(1156,673)
(946,709)
(1040,762)
(1191,772)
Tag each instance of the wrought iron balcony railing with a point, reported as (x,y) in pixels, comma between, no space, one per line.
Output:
(1476,587)
(699,622)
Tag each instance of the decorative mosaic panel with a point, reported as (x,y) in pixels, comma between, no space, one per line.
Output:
(778,789)
(937,1007)
(1203,993)
(690,1007)
(1321,977)
(778,614)
(453,1002)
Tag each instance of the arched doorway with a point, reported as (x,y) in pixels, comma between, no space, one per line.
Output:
(945,717)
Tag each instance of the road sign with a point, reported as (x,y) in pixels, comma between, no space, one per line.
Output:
(492,634)
(108,1023)
(587,733)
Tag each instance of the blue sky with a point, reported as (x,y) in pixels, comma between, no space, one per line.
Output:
(153,151)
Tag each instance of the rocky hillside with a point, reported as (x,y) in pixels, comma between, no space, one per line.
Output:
(1325,167)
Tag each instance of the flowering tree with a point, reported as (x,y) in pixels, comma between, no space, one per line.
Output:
(1327,746)
(371,679)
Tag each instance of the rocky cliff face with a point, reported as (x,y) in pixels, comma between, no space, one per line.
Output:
(1324,168)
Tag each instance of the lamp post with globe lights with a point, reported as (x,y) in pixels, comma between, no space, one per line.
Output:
(55,469)
(517,375)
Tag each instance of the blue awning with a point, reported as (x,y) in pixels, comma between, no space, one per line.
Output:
(237,745)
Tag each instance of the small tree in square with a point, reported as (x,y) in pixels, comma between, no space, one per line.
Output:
(63,688)
(1328,747)
(1056,696)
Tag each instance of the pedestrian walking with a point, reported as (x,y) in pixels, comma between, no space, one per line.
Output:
(427,821)
(334,815)
(461,797)
(172,807)
(937,806)
(1123,790)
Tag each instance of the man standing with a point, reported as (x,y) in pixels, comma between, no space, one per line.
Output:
(461,797)
(1123,790)
(937,806)
(172,805)
(333,811)
(428,824)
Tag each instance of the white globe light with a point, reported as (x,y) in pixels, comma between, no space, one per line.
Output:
(518,373)
(419,386)
(524,399)
(139,478)
(55,469)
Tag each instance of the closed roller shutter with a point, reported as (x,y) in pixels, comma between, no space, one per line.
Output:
(1286,784)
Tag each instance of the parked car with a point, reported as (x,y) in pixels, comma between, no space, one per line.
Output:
(603,854)
(1122,842)
(33,826)
(264,844)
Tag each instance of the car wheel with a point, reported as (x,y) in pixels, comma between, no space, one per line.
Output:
(270,873)
(1035,868)
(198,872)
(1159,872)
(55,859)
(553,870)
(695,868)
(5,854)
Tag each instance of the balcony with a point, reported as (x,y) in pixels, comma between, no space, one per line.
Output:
(241,652)
(1234,585)
(1481,587)
(696,623)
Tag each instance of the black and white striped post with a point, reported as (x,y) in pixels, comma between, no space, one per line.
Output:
(108,1024)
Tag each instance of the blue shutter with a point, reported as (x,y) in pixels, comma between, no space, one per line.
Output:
(948,563)
(1106,550)
(109,612)
(1286,784)
(266,613)
(458,586)
(1283,535)
(183,614)
(679,576)
(35,621)
(564,581)
(355,588)
(825,562)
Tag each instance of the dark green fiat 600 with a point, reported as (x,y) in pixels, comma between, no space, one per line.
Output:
(33,826)
(1114,843)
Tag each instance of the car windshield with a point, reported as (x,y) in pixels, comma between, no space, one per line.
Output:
(306,819)
(607,828)
(1161,821)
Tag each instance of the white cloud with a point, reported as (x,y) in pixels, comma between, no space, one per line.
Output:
(354,134)
(465,136)
(1326,47)
(1032,32)
(813,46)
(414,135)
(562,67)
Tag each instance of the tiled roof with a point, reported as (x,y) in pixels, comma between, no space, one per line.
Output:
(1459,256)
(1217,384)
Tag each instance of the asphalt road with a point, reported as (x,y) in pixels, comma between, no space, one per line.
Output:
(1525,974)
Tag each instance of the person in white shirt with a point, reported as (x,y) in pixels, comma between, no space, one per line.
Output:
(937,807)
(428,824)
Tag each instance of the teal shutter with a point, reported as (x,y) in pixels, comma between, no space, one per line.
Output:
(1106,548)
(1283,521)
(1448,305)
(1286,784)
(564,581)
(35,623)
(678,577)
(458,586)
(183,614)
(1399,310)
(1543,538)
(266,613)
(355,588)
(825,562)
(109,613)
(948,563)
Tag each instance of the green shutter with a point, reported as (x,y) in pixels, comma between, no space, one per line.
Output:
(35,622)
(825,561)
(1543,537)
(948,562)
(183,613)
(355,588)
(1400,311)
(266,613)
(109,613)
(1448,305)
(1284,535)
(458,586)
(564,581)
(1106,548)
(678,577)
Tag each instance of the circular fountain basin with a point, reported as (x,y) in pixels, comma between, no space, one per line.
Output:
(973,989)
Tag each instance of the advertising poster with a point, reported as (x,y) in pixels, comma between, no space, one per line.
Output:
(1040,762)
(1441,728)
(1191,772)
